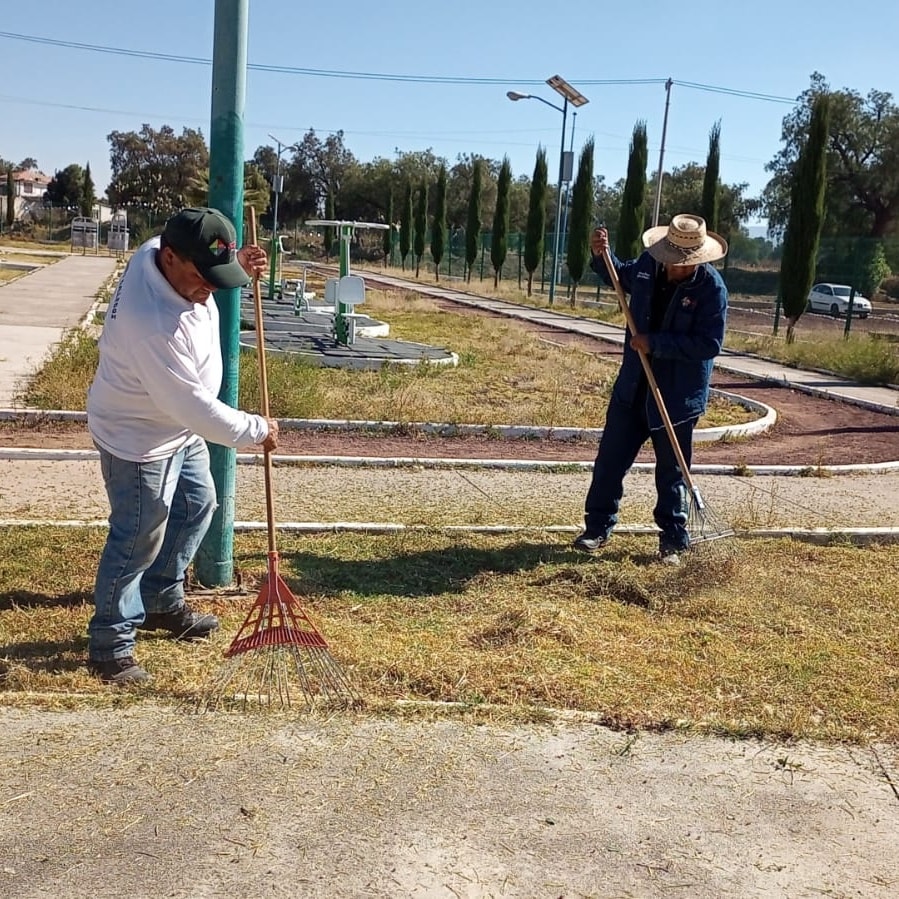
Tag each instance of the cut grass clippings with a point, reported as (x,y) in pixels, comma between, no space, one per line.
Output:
(786,641)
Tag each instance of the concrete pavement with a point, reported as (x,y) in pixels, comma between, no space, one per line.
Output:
(37,310)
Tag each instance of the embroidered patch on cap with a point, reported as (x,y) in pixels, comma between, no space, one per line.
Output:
(219,246)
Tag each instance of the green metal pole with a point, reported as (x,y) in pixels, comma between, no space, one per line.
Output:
(215,558)
(341,328)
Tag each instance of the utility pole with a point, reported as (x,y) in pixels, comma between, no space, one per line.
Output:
(658,203)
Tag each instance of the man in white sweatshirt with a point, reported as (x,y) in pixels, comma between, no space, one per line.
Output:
(150,410)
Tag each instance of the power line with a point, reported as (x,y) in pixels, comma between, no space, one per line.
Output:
(384,76)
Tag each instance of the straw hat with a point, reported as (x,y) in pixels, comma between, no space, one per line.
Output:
(685,241)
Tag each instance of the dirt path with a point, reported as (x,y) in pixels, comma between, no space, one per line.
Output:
(146,802)
(809,431)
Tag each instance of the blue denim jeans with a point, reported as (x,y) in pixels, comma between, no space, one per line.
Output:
(159,514)
(625,432)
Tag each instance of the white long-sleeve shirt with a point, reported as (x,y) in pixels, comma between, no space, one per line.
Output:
(160,371)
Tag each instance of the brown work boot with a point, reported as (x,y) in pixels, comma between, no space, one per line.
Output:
(121,671)
(182,622)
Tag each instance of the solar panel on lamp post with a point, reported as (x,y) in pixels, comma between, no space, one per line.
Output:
(576,99)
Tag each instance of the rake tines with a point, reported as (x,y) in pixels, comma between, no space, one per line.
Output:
(708,533)
(279,659)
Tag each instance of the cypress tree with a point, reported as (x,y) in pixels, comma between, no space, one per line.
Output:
(438,227)
(406,224)
(330,233)
(421,224)
(10,199)
(473,221)
(710,191)
(803,234)
(387,236)
(535,236)
(631,217)
(501,220)
(88,194)
(582,201)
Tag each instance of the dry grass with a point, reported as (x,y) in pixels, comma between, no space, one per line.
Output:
(506,375)
(786,640)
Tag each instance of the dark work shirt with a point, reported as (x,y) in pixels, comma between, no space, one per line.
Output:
(661,297)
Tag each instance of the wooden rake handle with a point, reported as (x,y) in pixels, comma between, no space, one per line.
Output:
(263,394)
(647,368)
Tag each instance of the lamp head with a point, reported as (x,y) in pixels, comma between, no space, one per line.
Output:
(515,95)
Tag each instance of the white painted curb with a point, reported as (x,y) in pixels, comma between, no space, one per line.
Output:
(446,463)
(807,535)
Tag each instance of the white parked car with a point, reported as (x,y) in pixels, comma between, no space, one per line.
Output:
(833,299)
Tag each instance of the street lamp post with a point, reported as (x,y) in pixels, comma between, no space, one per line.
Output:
(576,99)
(568,192)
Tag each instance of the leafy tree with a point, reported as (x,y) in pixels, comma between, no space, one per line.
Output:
(322,166)
(154,168)
(581,218)
(633,199)
(873,267)
(682,192)
(473,219)
(498,244)
(862,196)
(406,225)
(28,163)
(710,179)
(803,232)
(535,238)
(421,225)
(256,189)
(752,250)
(66,187)
(438,227)
(88,195)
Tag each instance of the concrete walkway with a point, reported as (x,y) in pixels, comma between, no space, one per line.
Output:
(37,310)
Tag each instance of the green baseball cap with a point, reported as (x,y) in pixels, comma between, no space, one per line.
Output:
(208,239)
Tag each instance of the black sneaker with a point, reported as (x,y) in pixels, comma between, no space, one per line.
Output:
(121,671)
(183,623)
(589,543)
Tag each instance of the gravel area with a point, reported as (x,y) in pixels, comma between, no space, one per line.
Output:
(35,489)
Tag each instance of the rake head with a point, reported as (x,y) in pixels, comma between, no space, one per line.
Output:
(279,659)
(708,533)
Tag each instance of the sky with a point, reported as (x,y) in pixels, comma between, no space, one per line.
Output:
(413,76)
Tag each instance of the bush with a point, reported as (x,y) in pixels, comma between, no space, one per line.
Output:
(890,286)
